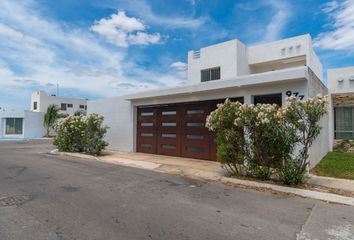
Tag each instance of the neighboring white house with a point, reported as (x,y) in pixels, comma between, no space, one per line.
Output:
(29,124)
(40,102)
(25,125)
(341,87)
(172,121)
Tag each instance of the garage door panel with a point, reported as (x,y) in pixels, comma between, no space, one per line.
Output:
(177,130)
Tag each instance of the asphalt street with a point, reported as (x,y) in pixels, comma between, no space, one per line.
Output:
(52,197)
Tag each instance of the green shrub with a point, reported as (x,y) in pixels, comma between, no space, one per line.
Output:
(81,134)
(289,174)
(262,140)
(94,134)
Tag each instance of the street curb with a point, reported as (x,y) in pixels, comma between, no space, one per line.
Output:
(200,174)
(78,155)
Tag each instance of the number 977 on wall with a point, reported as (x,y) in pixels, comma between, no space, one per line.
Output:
(295,94)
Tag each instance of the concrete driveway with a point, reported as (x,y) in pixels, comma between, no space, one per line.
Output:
(52,197)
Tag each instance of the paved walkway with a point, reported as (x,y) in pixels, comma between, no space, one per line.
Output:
(343,184)
(201,168)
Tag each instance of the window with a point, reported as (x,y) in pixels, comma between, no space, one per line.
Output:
(343,122)
(210,74)
(268,99)
(85,107)
(14,126)
(34,105)
(82,106)
(63,106)
(70,105)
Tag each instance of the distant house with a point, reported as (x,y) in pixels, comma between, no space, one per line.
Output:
(40,102)
(29,123)
(172,121)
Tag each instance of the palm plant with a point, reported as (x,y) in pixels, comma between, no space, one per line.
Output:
(51,116)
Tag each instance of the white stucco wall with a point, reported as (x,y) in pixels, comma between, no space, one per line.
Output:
(119,116)
(323,143)
(230,56)
(32,124)
(341,80)
(43,102)
(282,49)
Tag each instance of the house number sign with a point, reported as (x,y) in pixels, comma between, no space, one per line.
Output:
(295,94)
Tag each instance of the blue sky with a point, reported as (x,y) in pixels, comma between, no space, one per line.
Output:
(103,48)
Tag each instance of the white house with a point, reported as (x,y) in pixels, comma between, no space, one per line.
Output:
(29,124)
(341,87)
(40,102)
(172,121)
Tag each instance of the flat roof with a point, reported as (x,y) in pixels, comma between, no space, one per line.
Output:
(248,80)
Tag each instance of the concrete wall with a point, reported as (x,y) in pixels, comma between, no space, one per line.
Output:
(282,49)
(119,116)
(323,143)
(32,124)
(341,80)
(43,102)
(223,55)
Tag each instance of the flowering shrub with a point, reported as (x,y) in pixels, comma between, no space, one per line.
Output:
(80,134)
(263,139)
(230,138)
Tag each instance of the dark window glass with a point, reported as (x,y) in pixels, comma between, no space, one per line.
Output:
(147,114)
(193,112)
(168,135)
(63,106)
(14,126)
(169,124)
(344,122)
(147,134)
(169,113)
(70,105)
(195,124)
(147,124)
(145,145)
(194,149)
(269,99)
(195,137)
(82,106)
(168,146)
(34,105)
(210,74)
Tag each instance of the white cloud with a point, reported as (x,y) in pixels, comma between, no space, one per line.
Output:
(37,48)
(180,68)
(143,9)
(123,31)
(179,65)
(341,37)
(274,29)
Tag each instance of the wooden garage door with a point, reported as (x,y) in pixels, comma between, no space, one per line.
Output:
(177,130)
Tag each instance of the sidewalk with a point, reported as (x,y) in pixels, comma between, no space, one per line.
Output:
(212,171)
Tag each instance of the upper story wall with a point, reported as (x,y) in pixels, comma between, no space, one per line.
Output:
(341,80)
(235,59)
(44,101)
(224,55)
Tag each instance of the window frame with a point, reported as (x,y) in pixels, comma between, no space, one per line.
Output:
(35,105)
(63,106)
(207,75)
(69,105)
(14,132)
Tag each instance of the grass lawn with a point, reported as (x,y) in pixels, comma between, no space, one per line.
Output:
(336,164)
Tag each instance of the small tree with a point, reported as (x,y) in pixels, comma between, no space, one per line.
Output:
(94,134)
(81,134)
(303,117)
(230,138)
(51,116)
